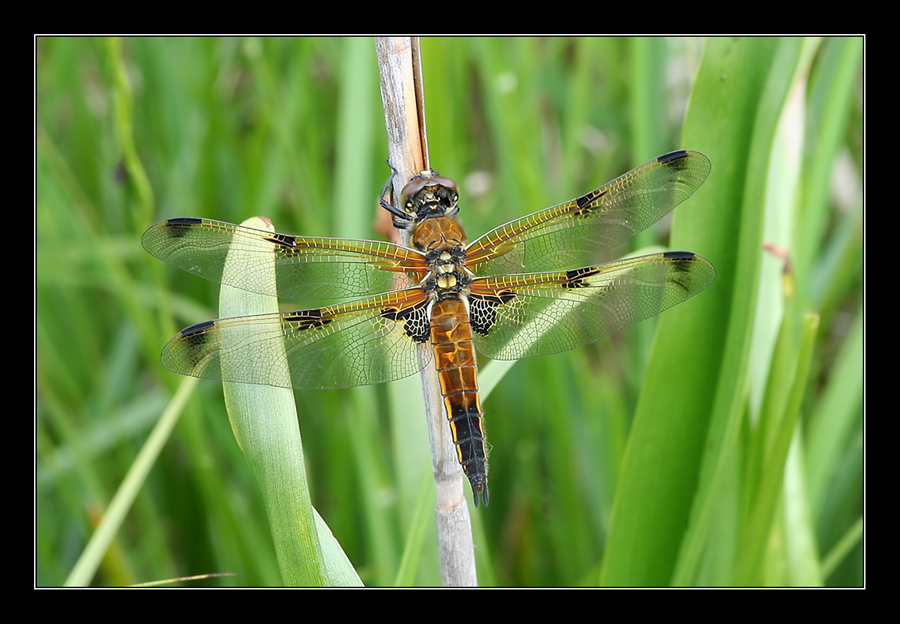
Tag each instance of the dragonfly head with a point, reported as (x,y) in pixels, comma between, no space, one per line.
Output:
(429,195)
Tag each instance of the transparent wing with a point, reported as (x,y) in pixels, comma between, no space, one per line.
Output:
(577,232)
(519,316)
(364,342)
(306,267)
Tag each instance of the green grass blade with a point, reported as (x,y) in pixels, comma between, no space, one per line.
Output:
(264,420)
(692,393)
(753,541)
(848,541)
(121,503)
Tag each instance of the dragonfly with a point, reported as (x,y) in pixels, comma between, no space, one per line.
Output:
(527,288)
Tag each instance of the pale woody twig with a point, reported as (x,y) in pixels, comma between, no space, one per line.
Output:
(401,92)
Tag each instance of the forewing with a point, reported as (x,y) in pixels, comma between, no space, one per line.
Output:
(306,267)
(519,316)
(577,232)
(363,342)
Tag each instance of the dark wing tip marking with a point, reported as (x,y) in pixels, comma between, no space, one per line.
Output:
(679,255)
(682,264)
(671,156)
(198,328)
(696,161)
(186,349)
(182,221)
(170,228)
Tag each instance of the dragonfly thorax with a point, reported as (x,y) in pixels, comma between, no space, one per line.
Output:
(448,277)
(437,234)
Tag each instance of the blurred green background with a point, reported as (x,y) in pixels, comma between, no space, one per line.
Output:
(133,131)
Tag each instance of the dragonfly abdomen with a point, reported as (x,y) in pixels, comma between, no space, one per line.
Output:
(451,337)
